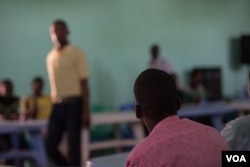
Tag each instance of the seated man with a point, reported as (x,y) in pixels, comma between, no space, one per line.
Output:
(195,92)
(37,105)
(9,104)
(236,132)
(171,141)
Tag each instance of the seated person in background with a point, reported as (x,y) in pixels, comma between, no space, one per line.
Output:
(236,132)
(37,105)
(9,104)
(171,141)
(196,91)
(242,94)
(180,90)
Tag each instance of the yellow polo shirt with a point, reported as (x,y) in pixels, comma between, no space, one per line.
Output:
(44,106)
(66,68)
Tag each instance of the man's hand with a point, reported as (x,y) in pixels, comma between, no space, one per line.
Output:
(1,118)
(86,119)
(86,112)
(23,115)
(13,116)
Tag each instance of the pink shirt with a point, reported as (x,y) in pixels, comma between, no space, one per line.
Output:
(179,143)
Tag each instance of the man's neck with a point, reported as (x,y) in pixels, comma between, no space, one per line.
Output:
(150,124)
(61,45)
(37,94)
(7,96)
(154,57)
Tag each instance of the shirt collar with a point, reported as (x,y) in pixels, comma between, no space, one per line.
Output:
(63,49)
(165,122)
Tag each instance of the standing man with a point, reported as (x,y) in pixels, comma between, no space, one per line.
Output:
(159,62)
(68,74)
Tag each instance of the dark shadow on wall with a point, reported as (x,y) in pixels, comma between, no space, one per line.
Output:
(235,53)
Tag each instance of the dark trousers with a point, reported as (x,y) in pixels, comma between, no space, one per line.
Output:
(65,117)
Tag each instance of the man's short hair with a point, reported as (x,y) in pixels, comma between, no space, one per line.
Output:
(38,79)
(155,92)
(61,22)
(195,72)
(8,83)
(155,47)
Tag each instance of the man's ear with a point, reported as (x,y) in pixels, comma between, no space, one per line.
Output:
(138,111)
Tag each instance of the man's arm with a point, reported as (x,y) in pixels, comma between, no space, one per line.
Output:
(85,95)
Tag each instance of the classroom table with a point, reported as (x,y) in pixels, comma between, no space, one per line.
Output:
(241,104)
(115,118)
(116,160)
(37,150)
(212,109)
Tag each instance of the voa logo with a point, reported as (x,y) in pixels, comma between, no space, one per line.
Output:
(236,158)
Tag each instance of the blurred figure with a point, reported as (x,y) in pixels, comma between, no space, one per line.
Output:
(37,105)
(68,74)
(243,93)
(9,104)
(158,62)
(171,141)
(195,92)
(180,91)
(236,132)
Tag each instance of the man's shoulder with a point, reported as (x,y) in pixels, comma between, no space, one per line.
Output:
(145,153)
(162,58)
(239,123)
(46,97)
(137,153)
(141,149)
(50,54)
(76,49)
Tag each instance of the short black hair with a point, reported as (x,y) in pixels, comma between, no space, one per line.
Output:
(155,47)
(61,22)
(8,83)
(37,79)
(195,72)
(156,93)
